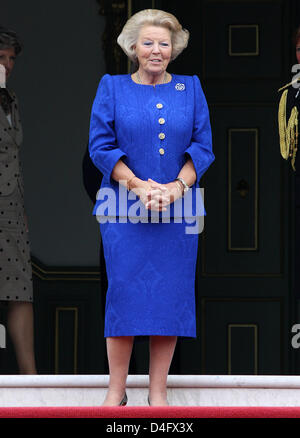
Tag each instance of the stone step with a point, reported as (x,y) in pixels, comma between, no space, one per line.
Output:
(187,390)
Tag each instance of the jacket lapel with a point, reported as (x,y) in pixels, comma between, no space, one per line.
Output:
(10,129)
(14,121)
(3,119)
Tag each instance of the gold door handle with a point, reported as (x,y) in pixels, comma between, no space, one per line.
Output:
(243,188)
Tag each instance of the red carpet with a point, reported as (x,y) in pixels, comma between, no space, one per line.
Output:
(148,412)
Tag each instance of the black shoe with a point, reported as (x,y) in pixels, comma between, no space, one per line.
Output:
(124,400)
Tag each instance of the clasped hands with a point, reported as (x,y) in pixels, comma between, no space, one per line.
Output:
(154,195)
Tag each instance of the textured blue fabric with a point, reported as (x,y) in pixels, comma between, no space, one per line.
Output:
(150,267)
(151,271)
(125,124)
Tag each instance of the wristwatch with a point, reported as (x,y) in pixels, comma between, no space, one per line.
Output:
(185,186)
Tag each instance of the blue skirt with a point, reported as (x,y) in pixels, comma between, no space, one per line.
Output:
(151,271)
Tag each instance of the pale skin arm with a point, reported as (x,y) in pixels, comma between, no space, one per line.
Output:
(153,194)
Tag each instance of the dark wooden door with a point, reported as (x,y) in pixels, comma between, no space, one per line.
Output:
(241,50)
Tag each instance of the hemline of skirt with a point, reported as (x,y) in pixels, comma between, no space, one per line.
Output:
(19,299)
(106,335)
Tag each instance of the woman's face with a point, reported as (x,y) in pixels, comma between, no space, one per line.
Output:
(7,59)
(153,49)
(298,51)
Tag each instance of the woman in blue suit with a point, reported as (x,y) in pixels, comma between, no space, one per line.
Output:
(150,136)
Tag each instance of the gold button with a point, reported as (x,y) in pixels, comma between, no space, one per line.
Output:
(161,121)
(161,151)
(162,136)
(159,105)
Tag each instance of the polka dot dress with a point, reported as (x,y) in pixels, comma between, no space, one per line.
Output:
(15,263)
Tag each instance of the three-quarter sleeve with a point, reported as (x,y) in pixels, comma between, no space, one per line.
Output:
(103,148)
(200,148)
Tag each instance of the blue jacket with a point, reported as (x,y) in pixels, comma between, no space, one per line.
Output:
(154,130)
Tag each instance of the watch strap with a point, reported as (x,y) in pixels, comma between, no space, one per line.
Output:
(185,186)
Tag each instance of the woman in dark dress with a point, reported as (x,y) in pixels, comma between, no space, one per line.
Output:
(15,264)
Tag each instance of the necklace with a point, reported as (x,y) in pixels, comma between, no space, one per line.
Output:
(139,79)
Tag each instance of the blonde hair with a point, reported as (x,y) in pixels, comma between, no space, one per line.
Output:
(153,17)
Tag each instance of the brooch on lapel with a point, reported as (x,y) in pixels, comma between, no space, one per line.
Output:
(180,87)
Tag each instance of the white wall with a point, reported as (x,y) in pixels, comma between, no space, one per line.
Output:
(56,80)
